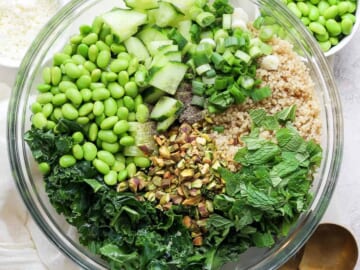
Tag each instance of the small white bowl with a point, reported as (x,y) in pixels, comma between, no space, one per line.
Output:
(342,44)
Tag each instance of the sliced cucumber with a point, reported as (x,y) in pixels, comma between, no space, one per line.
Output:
(165,107)
(165,15)
(124,22)
(149,34)
(168,48)
(174,56)
(142,4)
(155,45)
(165,124)
(136,47)
(151,95)
(183,5)
(184,29)
(168,77)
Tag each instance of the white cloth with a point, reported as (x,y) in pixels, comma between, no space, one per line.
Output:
(22,245)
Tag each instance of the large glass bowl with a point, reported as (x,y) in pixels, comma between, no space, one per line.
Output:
(29,181)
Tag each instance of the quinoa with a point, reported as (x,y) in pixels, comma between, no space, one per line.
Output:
(290,84)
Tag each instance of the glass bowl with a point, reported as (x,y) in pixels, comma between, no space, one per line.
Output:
(29,181)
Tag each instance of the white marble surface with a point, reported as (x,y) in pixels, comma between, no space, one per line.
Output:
(344,208)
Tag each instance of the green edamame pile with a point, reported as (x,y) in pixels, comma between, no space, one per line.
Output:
(95,83)
(328,20)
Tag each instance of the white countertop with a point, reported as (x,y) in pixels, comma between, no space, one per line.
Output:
(343,209)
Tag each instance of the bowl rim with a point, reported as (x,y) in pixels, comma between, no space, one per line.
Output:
(86,260)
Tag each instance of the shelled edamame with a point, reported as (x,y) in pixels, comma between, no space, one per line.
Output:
(328,20)
(92,84)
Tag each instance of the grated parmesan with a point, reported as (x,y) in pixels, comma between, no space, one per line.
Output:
(20,22)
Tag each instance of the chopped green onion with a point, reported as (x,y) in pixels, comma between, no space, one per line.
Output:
(220,45)
(207,34)
(266,48)
(221,100)
(238,95)
(258,22)
(202,69)
(219,129)
(246,82)
(210,73)
(178,38)
(229,57)
(231,42)
(217,59)
(226,69)
(210,91)
(255,51)
(194,12)
(266,33)
(260,93)
(198,88)
(200,58)
(227,21)
(221,33)
(205,19)
(243,56)
(221,82)
(208,81)
(198,101)
(195,32)
(212,109)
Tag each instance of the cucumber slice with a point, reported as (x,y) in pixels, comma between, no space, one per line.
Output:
(136,47)
(174,56)
(183,5)
(165,107)
(166,14)
(165,124)
(168,77)
(168,48)
(149,34)
(142,4)
(151,95)
(124,22)
(184,29)
(155,45)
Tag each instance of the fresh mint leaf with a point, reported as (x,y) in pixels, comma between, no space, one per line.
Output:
(262,240)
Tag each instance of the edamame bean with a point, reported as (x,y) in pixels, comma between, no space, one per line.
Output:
(293,7)
(90,39)
(95,75)
(142,162)
(64,85)
(343,7)
(315,2)
(39,120)
(346,26)
(332,2)
(121,126)
(331,12)
(46,75)
(36,107)
(102,46)
(317,28)
(100,94)
(101,166)
(142,113)
(93,53)
(78,151)
(117,48)
(107,136)
(110,107)
(122,113)
(118,166)
(99,119)
(116,90)
(103,59)
(59,58)
(349,16)
(86,108)
(57,114)
(90,151)
(55,90)
(325,46)
(322,38)
(132,117)
(44,167)
(44,98)
(111,178)
(313,13)
(98,108)
(83,50)
(82,120)
(304,8)
(123,78)
(67,161)
(85,29)
(127,140)
(76,39)
(59,99)
(78,137)
(305,21)
(333,27)
(131,169)
(47,109)
(322,6)
(86,94)
(122,175)
(69,112)
(125,56)
(334,41)
(97,24)
(109,39)
(129,103)
(351,6)
(118,65)
(72,70)
(78,59)
(74,96)
(109,122)
(111,77)
(96,85)
(131,89)
(90,66)
(106,156)
(120,103)
(133,65)
(50,125)
(93,132)
(111,147)
(321,20)
(83,82)
(43,88)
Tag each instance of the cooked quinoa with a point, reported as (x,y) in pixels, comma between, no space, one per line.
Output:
(291,84)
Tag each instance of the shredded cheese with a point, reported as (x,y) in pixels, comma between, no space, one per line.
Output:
(20,22)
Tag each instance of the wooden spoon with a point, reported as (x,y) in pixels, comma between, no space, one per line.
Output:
(331,247)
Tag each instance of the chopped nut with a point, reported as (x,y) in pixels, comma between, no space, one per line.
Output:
(187,173)
(150,196)
(197,183)
(198,241)
(157,181)
(122,186)
(176,199)
(192,201)
(194,192)
(165,199)
(203,210)
(187,221)
(164,152)
(181,164)
(166,182)
(201,140)
(204,169)
(209,206)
